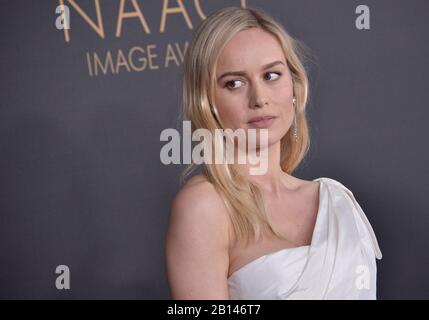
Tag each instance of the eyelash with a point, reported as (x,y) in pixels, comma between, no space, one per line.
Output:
(228,82)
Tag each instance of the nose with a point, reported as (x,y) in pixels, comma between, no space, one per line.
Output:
(258,97)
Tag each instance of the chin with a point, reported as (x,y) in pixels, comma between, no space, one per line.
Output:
(274,137)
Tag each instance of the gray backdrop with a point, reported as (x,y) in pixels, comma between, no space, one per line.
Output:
(81,182)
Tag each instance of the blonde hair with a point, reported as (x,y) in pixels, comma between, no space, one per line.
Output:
(241,197)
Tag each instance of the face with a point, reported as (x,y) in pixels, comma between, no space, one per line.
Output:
(253,80)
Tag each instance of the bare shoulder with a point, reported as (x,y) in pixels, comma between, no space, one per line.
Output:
(199,197)
(312,189)
(197,242)
(307,186)
(199,204)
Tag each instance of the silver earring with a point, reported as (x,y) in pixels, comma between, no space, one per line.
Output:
(295,128)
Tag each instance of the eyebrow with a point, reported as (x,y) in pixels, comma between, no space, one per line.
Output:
(242,73)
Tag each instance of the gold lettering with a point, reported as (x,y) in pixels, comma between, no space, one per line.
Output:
(97,27)
(200,12)
(142,59)
(132,14)
(108,62)
(149,47)
(171,54)
(121,61)
(169,10)
(88,59)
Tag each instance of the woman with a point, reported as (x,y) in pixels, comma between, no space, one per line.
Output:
(233,235)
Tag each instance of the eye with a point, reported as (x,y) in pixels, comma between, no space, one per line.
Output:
(227,84)
(230,84)
(277,73)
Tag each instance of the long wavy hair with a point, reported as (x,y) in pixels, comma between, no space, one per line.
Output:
(241,197)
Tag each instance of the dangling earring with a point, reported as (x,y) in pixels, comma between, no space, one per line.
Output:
(295,129)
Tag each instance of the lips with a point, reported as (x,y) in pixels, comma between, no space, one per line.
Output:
(261,122)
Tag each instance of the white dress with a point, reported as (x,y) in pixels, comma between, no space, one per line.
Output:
(338,264)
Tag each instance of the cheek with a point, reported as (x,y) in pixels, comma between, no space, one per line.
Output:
(230,110)
(283,97)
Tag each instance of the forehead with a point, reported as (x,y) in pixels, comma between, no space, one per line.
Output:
(248,49)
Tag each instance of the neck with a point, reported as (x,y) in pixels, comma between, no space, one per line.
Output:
(274,181)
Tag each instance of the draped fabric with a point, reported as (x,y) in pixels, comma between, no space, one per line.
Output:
(340,262)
